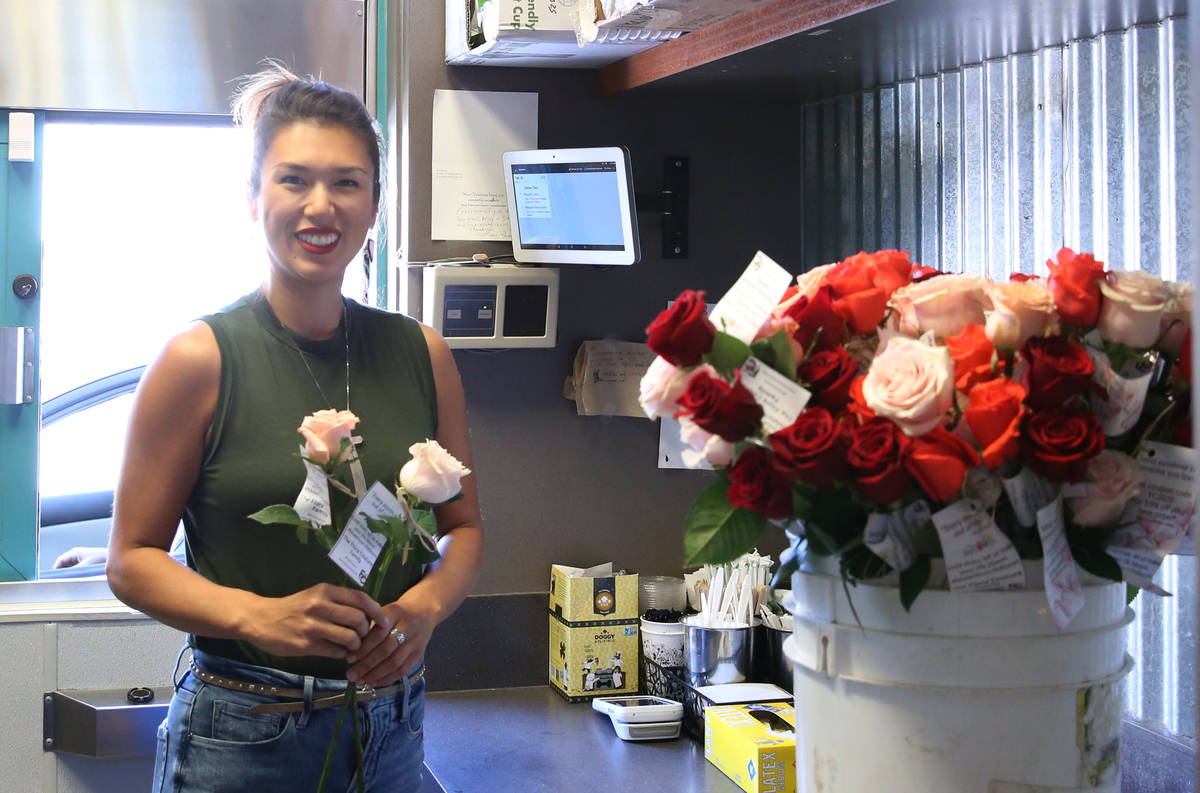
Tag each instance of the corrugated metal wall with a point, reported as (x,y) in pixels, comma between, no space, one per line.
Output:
(990,169)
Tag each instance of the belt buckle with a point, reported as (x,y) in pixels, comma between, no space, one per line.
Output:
(366,694)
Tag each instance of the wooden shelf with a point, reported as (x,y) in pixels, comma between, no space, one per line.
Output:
(774,20)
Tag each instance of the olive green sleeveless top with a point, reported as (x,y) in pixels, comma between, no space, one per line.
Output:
(250,457)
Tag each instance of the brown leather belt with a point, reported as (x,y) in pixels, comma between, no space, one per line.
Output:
(365,694)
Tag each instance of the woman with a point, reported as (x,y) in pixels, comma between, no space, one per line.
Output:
(213,438)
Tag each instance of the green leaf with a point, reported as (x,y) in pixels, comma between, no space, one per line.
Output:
(302,533)
(832,519)
(728,353)
(716,531)
(776,352)
(427,520)
(913,581)
(859,563)
(1092,557)
(279,513)
(1131,592)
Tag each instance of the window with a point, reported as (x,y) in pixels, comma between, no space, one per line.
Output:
(146,227)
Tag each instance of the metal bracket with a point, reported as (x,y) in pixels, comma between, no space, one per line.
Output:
(102,722)
(16,366)
(672,203)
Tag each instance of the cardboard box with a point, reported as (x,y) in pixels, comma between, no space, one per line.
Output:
(579,598)
(754,745)
(594,641)
(546,38)
(610,20)
(593,659)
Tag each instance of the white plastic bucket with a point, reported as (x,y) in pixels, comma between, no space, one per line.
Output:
(971,692)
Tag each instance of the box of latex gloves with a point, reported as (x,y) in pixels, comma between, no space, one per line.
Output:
(754,745)
(594,639)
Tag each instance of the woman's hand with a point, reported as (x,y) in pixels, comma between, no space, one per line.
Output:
(324,620)
(382,660)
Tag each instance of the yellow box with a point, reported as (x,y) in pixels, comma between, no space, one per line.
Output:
(593,659)
(754,745)
(575,598)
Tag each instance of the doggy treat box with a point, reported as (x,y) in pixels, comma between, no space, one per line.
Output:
(753,744)
(593,659)
(593,595)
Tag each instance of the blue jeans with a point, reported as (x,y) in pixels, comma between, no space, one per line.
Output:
(210,742)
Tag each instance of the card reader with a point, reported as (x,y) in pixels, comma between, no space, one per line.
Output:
(641,717)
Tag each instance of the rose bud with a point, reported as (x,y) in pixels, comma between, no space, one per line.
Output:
(755,484)
(1112,479)
(1058,442)
(877,453)
(682,333)
(433,474)
(324,432)
(723,409)
(1075,283)
(1059,370)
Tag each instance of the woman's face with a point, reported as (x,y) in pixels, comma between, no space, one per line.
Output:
(315,204)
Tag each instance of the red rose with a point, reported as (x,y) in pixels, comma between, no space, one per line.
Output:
(723,409)
(829,374)
(972,354)
(939,461)
(755,484)
(863,283)
(683,332)
(877,454)
(1021,278)
(811,448)
(923,272)
(1059,369)
(994,413)
(815,314)
(857,406)
(1075,283)
(1058,442)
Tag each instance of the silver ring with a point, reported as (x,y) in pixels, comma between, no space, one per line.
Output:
(399,635)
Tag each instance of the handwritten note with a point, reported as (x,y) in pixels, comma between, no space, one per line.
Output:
(978,555)
(1063,590)
(781,399)
(1166,506)
(358,547)
(313,502)
(748,303)
(607,378)
(471,132)
(1028,493)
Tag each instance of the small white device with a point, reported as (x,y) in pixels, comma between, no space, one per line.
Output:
(491,307)
(572,206)
(641,717)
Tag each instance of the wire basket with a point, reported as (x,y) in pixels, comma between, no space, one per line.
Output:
(668,682)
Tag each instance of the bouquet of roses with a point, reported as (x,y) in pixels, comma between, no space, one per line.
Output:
(365,529)
(891,414)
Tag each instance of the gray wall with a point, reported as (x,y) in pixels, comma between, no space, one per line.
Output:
(554,486)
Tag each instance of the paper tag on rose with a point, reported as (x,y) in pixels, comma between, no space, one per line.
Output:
(889,535)
(781,399)
(1028,493)
(1138,567)
(358,547)
(748,303)
(313,502)
(978,555)
(1063,590)
(1164,510)
(1126,396)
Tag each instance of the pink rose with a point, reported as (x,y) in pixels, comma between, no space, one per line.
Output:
(662,384)
(1132,309)
(703,445)
(1020,310)
(433,474)
(1176,320)
(945,305)
(808,282)
(324,432)
(1112,479)
(911,383)
(774,324)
